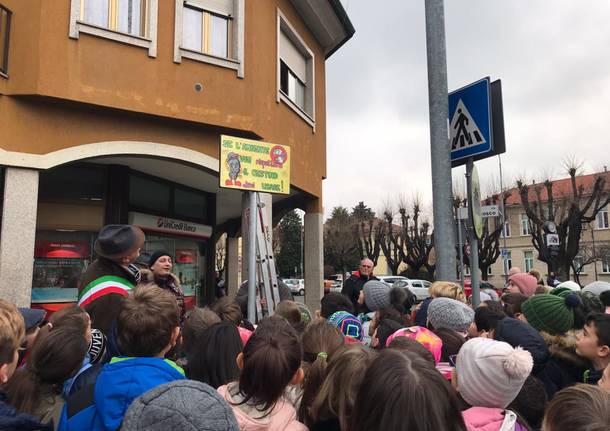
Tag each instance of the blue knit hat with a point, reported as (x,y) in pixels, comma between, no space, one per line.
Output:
(348,324)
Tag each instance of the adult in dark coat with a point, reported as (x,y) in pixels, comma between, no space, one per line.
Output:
(160,273)
(353,285)
(112,275)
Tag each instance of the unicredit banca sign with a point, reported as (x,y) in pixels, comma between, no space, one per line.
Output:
(170,225)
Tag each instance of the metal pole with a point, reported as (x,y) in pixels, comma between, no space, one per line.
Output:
(503,215)
(461,263)
(252,225)
(444,239)
(474,242)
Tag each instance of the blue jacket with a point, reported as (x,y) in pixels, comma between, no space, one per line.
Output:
(12,420)
(103,405)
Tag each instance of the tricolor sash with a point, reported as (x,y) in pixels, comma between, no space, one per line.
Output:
(102,286)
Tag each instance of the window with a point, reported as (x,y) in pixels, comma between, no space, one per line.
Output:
(129,21)
(508,263)
(606,266)
(506,228)
(190,203)
(205,32)
(525,225)
(528,257)
(148,194)
(58,184)
(5,28)
(210,31)
(466,270)
(602,218)
(292,86)
(295,71)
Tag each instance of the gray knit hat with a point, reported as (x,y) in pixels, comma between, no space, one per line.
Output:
(451,314)
(376,295)
(180,405)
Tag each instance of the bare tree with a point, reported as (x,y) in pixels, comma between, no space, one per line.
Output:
(390,241)
(568,210)
(367,235)
(418,240)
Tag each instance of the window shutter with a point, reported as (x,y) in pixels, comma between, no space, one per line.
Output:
(221,7)
(293,57)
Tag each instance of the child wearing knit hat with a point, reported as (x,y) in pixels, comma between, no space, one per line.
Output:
(451,314)
(550,313)
(488,376)
(523,283)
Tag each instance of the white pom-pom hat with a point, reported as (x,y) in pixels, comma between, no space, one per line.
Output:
(491,373)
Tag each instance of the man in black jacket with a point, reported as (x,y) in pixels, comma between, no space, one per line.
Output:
(353,285)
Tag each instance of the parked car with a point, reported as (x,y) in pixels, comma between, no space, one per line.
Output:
(391,279)
(296,285)
(418,287)
(336,282)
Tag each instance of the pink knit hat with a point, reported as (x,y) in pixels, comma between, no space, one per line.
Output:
(423,336)
(526,283)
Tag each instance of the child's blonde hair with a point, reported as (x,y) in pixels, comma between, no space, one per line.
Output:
(12,331)
(447,289)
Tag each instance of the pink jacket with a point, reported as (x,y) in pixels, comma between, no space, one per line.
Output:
(283,417)
(490,419)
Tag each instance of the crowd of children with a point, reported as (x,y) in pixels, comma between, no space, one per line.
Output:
(532,359)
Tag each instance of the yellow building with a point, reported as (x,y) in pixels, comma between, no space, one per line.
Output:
(521,252)
(112,110)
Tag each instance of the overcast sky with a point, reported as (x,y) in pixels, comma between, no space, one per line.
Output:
(552,58)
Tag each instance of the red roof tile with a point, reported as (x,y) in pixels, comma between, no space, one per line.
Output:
(562,187)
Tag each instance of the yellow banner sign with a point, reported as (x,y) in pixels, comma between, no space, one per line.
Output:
(254,165)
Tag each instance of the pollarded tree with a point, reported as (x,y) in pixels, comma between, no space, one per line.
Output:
(569,210)
(367,233)
(290,241)
(340,249)
(418,241)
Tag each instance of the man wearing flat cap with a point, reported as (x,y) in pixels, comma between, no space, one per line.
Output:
(112,274)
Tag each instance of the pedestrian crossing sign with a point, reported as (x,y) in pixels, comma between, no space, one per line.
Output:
(470,120)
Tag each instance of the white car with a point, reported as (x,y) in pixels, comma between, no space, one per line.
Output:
(391,279)
(418,287)
(296,285)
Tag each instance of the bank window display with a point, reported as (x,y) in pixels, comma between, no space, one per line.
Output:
(60,257)
(149,194)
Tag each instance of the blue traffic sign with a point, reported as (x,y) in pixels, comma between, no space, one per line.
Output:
(470,120)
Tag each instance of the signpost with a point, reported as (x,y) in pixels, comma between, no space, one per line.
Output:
(476,131)
(253,166)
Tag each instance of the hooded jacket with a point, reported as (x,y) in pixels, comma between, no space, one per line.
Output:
(102,406)
(491,419)
(517,333)
(171,284)
(564,367)
(12,420)
(282,417)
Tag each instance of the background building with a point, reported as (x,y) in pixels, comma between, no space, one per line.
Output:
(594,253)
(112,110)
